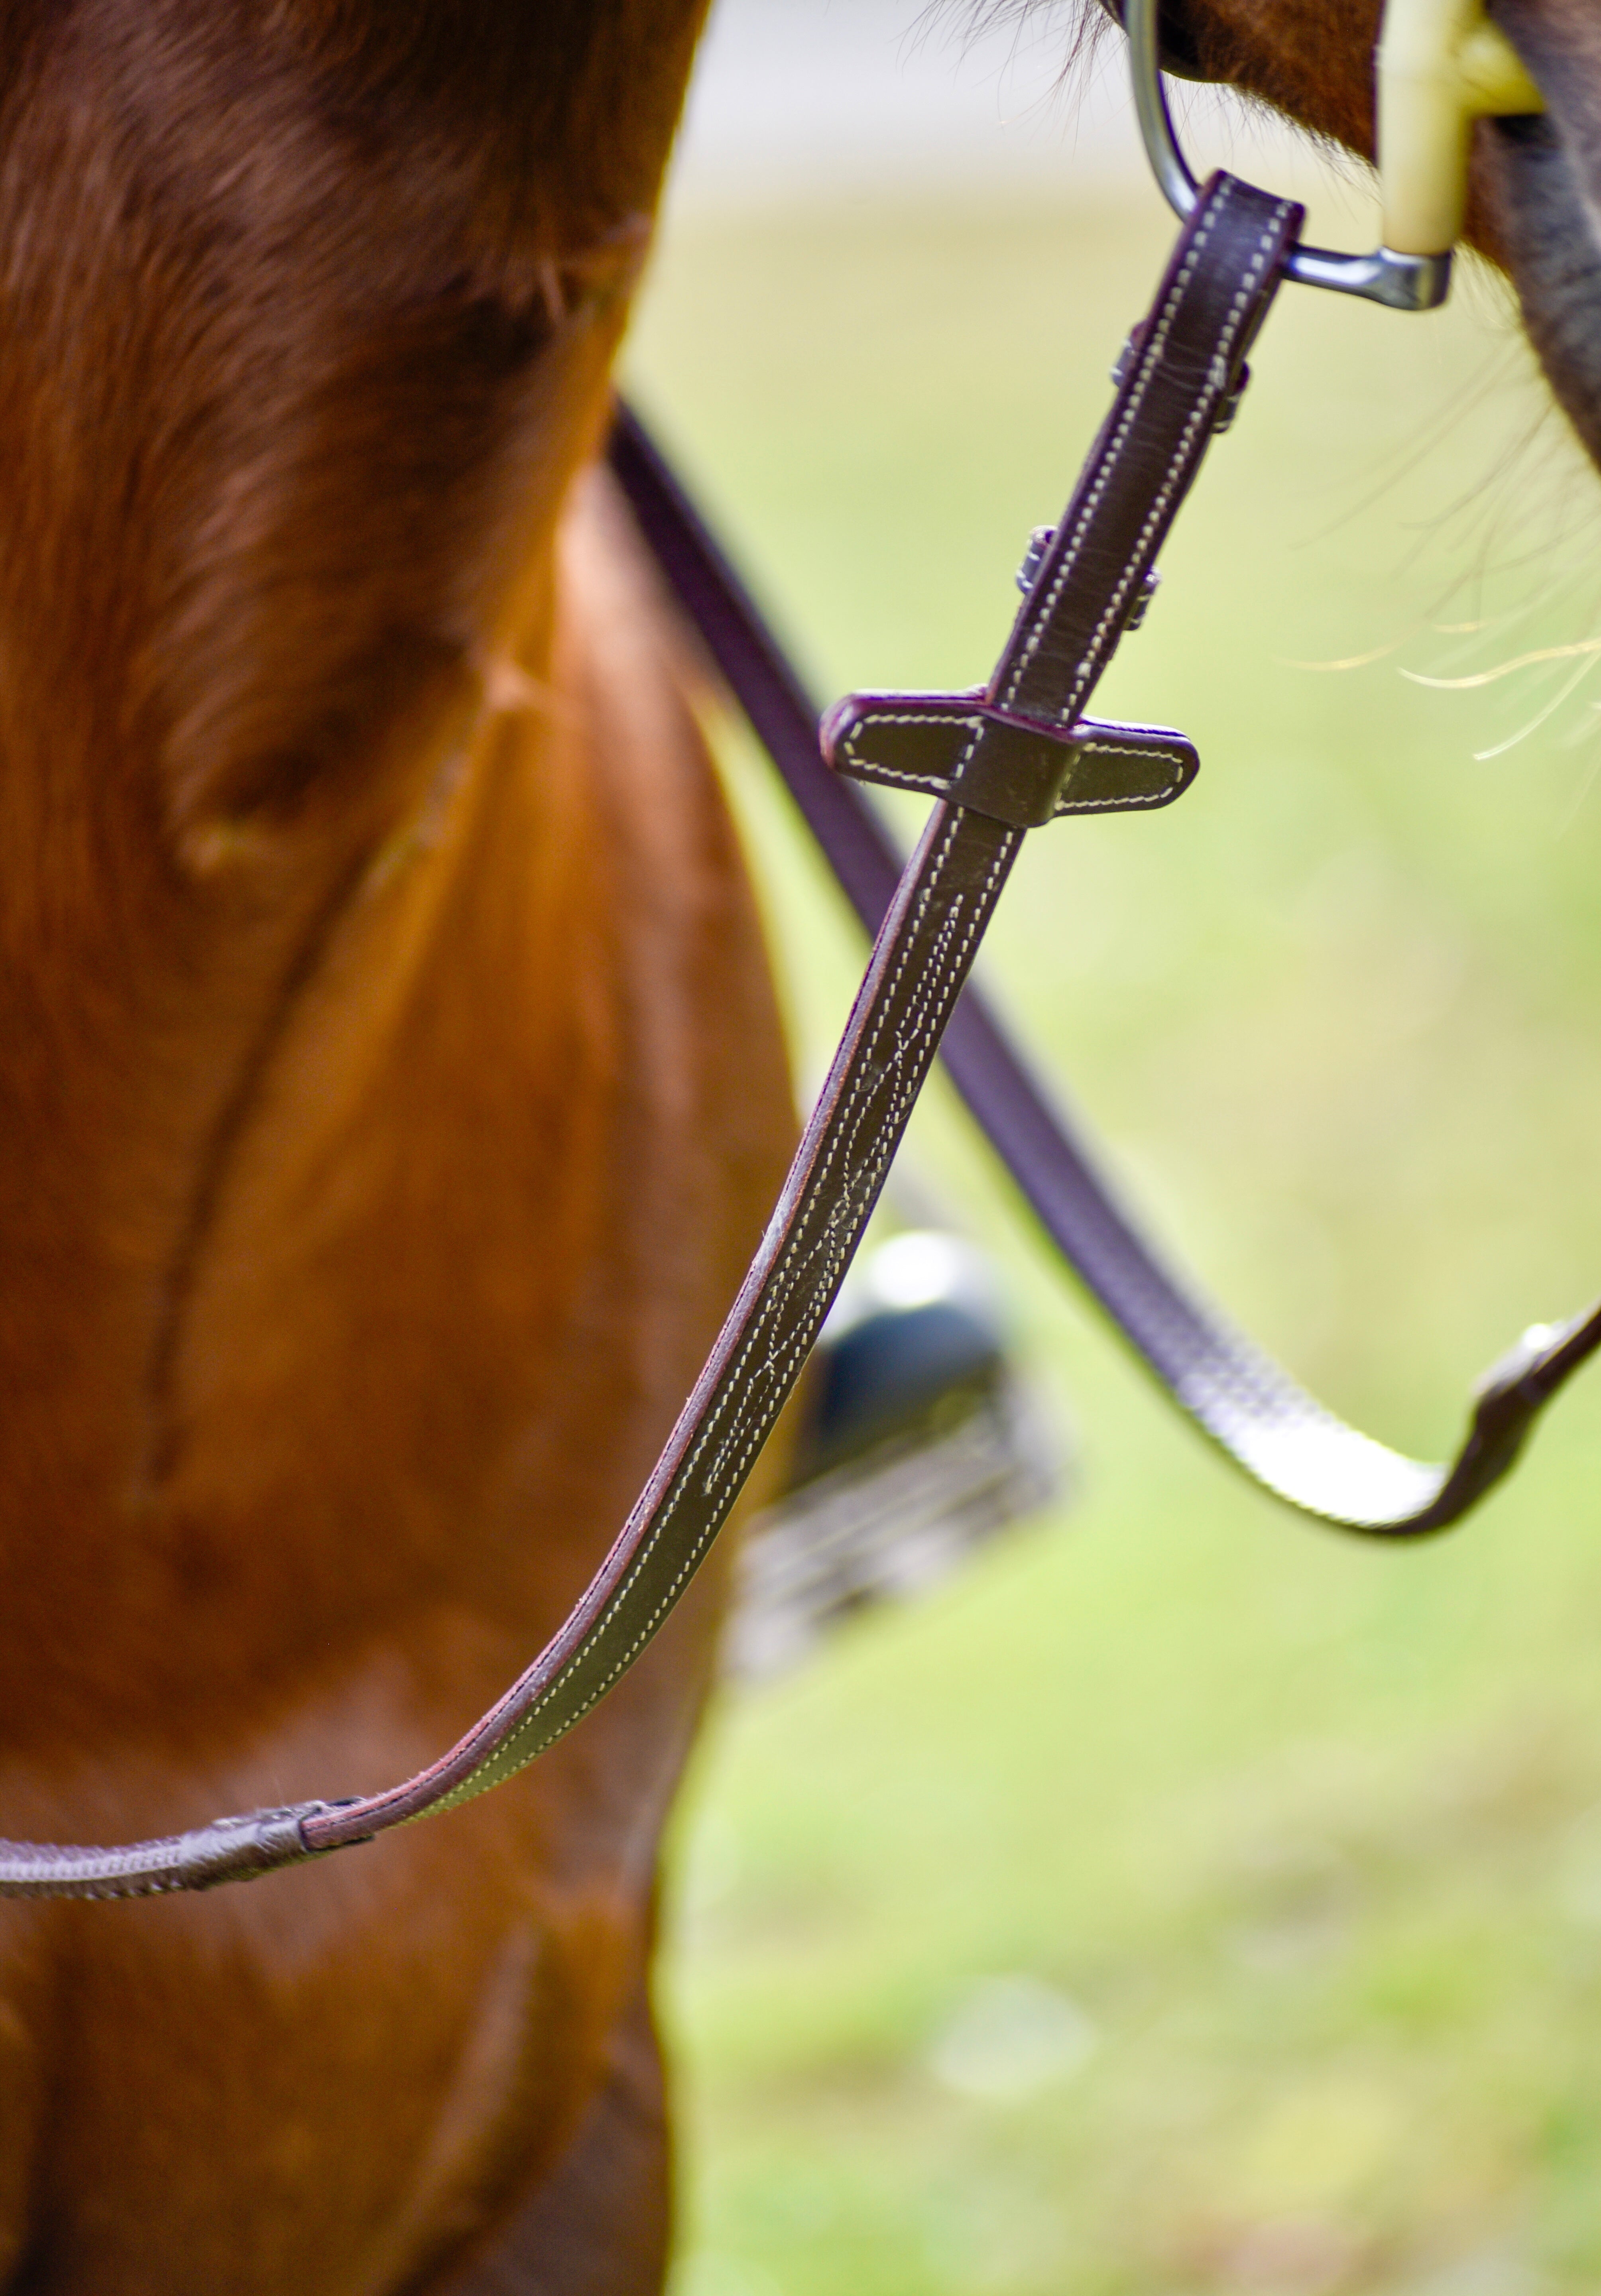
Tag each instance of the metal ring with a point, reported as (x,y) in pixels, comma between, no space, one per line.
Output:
(1406,283)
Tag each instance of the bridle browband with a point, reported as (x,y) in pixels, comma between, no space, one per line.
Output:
(998,761)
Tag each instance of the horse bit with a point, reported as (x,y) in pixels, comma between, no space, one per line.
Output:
(998,761)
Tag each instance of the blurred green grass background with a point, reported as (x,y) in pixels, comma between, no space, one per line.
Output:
(1187,1899)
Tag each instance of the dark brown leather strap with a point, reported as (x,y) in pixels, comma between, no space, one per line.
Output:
(1019,753)
(1264,1422)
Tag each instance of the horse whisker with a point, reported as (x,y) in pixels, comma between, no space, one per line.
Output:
(1586,646)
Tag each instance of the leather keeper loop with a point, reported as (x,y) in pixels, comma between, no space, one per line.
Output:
(1014,773)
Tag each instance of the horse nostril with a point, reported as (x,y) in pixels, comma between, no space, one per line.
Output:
(1533,129)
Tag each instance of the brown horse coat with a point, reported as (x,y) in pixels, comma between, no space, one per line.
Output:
(390,1097)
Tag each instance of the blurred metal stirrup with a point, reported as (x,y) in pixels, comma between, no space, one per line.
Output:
(920,1443)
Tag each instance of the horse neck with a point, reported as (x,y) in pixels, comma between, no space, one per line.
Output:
(311,327)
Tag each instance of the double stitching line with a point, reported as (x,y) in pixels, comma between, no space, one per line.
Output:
(778,1294)
(753,1417)
(1065,805)
(1150,358)
(512,1755)
(775,1294)
(930,783)
(847,1117)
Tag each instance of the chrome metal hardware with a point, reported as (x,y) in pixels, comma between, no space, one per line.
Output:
(1150,583)
(1441,65)
(1039,542)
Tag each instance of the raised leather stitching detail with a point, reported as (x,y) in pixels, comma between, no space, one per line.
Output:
(1150,357)
(776,1300)
(931,784)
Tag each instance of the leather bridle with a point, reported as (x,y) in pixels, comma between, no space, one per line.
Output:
(998,761)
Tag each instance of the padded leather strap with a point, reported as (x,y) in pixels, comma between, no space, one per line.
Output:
(1184,366)
(961,746)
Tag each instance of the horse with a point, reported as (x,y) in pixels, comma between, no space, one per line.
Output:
(392,1092)
(392,1095)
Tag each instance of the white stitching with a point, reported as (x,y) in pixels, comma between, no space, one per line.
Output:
(912,718)
(778,1296)
(1097,749)
(1066,805)
(1150,358)
(875,768)
(932,784)
(1093,749)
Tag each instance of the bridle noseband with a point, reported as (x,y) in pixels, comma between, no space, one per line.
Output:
(998,761)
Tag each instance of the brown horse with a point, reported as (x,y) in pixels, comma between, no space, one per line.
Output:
(390,1091)
(391,1097)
